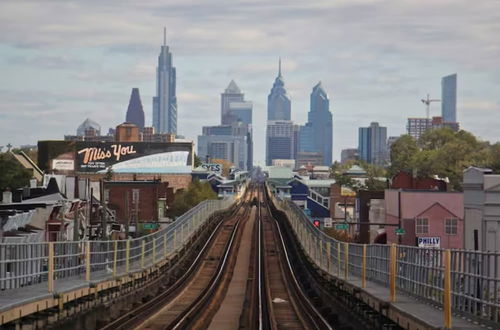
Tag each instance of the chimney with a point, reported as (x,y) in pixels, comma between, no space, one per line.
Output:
(7,197)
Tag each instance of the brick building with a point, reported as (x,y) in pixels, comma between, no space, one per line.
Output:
(141,201)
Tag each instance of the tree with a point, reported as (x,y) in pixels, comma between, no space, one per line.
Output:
(442,152)
(402,153)
(12,174)
(190,197)
(197,161)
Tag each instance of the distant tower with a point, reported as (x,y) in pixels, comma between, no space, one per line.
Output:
(231,94)
(449,98)
(317,134)
(135,113)
(165,101)
(278,101)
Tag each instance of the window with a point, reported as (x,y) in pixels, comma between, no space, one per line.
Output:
(422,226)
(450,226)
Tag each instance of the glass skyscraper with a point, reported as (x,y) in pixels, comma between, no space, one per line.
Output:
(278,101)
(317,134)
(165,101)
(449,98)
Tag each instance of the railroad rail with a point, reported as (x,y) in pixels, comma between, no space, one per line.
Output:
(184,309)
(287,306)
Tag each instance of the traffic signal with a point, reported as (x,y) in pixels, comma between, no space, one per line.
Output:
(316,223)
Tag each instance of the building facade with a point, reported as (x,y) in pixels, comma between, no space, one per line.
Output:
(416,127)
(426,216)
(348,155)
(232,148)
(165,101)
(281,140)
(449,98)
(373,144)
(482,209)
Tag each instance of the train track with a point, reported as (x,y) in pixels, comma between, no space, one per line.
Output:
(201,271)
(270,294)
(282,303)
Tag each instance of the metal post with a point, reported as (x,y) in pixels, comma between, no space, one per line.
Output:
(115,255)
(392,272)
(165,245)
(346,260)
(338,257)
(447,289)
(51,267)
(87,262)
(127,215)
(76,227)
(328,256)
(143,252)
(363,268)
(175,236)
(127,256)
(154,250)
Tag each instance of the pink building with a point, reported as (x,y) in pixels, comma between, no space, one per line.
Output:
(436,217)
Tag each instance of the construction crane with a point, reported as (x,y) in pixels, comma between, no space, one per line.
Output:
(427,103)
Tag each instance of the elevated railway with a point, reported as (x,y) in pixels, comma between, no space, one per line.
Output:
(258,263)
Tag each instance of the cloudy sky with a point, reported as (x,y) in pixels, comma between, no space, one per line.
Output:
(64,61)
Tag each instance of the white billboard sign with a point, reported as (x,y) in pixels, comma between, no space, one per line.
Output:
(429,242)
(63,164)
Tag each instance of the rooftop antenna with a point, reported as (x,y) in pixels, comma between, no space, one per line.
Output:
(427,103)
(164,36)
(279,67)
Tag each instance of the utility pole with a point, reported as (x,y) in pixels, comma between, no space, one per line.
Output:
(76,223)
(104,215)
(127,215)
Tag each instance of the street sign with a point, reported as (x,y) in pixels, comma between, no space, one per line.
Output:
(327,223)
(341,226)
(400,231)
(149,225)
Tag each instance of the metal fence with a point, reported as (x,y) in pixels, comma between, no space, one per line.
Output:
(28,264)
(460,281)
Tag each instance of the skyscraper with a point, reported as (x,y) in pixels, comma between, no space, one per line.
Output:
(165,101)
(449,98)
(278,101)
(135,113)
(231,94)
(372,144)
(317,134)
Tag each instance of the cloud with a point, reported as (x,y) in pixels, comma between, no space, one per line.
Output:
(375,58)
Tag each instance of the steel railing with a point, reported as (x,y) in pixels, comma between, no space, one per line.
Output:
(27,264)
(459,281)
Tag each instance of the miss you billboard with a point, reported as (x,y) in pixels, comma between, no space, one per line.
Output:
(133,157)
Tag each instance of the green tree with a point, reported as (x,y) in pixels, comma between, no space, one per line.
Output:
(197,161)
(442,152)
(12,174)
(190,197)
(402,154)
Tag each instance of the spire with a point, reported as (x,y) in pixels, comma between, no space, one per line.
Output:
(279,67)
(164,36)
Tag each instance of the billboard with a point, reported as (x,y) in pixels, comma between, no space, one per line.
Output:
(133,157)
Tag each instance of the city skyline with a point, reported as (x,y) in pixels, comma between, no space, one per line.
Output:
(87,71)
